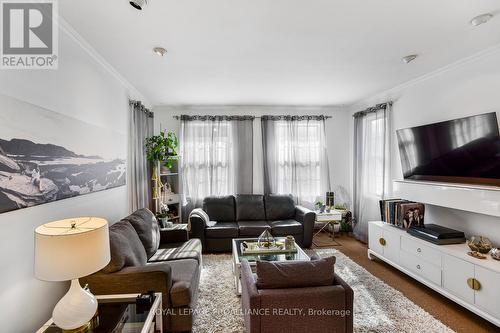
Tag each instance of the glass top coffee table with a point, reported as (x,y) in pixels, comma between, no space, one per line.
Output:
(121,314)
(300,255)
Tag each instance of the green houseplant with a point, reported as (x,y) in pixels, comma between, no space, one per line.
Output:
(320,206)
(162,148)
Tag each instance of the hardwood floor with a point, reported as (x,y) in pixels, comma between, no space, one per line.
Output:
(453,315)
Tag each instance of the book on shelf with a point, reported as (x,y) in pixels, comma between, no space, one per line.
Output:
(402,213)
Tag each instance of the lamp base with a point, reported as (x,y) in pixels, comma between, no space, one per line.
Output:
(75,310)
(83,329)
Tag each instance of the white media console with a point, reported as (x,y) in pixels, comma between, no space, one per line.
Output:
(472,283)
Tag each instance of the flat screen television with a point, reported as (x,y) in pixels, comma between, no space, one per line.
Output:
(465,150)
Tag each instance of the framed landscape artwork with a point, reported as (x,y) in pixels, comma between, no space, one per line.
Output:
(46,156)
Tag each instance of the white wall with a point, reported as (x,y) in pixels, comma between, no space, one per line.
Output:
(83,89)
(336,133)
(462,89)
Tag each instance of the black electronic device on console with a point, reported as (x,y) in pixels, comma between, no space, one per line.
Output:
(437,234)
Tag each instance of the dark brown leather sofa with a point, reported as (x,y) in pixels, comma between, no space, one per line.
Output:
(247,216)
(145,258)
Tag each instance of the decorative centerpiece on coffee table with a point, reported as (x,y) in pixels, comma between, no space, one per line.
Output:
(266,244)
(266,240)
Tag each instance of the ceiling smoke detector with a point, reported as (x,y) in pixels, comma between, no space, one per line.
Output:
(138,4)
(481,19)
(409,58)
(160,51)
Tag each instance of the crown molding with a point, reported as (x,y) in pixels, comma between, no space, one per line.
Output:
(454,65)
(73,34)
(248,107)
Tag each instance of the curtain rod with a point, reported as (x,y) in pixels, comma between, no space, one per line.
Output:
(375,108)
(246,117)
(140,106)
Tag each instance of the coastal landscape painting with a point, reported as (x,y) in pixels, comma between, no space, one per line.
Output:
(46,156)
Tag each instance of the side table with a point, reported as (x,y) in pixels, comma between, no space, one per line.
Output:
(328,218)
(119,313)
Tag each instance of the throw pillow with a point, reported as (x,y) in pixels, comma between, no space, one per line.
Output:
(147,228)
(295,274)
(125,247)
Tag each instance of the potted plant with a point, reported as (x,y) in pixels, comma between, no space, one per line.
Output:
(344,227)
(341,206)
(320,206)
(162,216)
(162,148)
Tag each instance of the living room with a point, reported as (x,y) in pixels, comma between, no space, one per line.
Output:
(250,166)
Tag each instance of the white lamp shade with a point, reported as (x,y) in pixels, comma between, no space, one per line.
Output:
(72,248)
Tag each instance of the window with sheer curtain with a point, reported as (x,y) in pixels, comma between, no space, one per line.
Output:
(216,157)
(207,163)
(374,153)
(371,165)
(295,160)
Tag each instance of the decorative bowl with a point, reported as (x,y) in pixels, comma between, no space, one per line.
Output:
(495,253)
(480,244)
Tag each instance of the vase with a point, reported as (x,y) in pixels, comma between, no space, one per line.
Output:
(164,170)
(162,221)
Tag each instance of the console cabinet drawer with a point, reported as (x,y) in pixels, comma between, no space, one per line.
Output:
(417,265)
(421,251)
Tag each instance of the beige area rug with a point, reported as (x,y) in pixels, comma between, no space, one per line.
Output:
(377,306)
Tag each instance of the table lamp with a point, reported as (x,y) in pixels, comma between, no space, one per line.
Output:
(67,250)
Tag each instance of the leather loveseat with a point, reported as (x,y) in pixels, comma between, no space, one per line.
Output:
(145,258)
(247,216)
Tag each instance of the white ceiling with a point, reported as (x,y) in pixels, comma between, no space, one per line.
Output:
(293,52)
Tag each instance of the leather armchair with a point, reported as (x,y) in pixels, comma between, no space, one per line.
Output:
(263,309)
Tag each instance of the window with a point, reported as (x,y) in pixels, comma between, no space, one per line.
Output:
(207,158)
(216,157)
(371,165)
(375,156)
(295,158)
(299,157)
